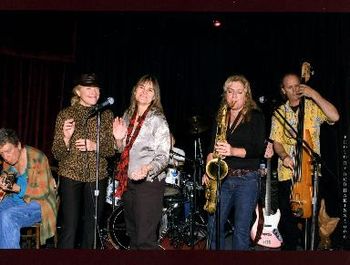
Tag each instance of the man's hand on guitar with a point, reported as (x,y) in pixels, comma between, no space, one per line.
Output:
(4,185)
(288,162)
(7,182)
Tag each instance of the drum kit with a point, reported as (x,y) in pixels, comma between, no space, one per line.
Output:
(183,222)
(182,226)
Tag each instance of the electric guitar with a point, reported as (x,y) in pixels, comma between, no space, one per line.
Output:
(269,236)
(7,178)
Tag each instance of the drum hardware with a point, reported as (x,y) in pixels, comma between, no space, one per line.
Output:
(195,218)
(181,225)
(198,124)
(172,182)
(116,229)
(111,187)
(174,175)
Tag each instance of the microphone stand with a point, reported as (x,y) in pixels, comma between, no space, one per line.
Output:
(193,195)
(217,212)
(316,161)
(97,191)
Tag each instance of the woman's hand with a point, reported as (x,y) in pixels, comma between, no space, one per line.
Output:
(141,173)
(68,128)
(205,180)
(119,129)
(269,150)
(80,145)
(224,149)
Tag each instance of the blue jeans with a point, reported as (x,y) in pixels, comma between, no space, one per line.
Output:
(239,193)
(13,216)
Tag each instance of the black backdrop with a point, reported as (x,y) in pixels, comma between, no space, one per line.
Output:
(190,56)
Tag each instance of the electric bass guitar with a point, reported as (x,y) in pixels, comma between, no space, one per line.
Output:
(267,236)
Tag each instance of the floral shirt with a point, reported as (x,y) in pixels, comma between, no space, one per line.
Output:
(280,132)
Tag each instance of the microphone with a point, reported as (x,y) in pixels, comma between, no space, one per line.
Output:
(109,101)
(267,100)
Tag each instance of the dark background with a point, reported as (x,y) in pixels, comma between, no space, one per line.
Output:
(42,51)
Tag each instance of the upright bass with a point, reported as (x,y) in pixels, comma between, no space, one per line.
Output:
(301,195)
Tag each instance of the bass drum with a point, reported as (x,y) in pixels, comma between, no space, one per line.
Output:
(117,235)
(117,229)
(170,229)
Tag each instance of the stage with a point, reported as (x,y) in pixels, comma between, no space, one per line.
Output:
(172,257)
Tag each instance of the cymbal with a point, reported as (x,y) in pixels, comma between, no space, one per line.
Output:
(197,124)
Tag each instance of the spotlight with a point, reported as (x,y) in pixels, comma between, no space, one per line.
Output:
(216,23)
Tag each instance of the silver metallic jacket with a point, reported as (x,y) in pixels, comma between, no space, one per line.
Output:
(152,145)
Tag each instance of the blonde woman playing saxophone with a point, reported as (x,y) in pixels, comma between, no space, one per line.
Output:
(241,151)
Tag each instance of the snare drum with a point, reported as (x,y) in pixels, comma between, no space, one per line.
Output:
(173,177)
(172,182)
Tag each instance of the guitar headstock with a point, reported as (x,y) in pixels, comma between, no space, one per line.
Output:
(306,72)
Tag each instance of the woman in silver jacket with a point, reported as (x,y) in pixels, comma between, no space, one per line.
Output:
(143,138)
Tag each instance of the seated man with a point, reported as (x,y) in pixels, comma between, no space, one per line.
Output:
(32,196)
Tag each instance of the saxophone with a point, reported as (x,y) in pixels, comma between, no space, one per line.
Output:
(216,164)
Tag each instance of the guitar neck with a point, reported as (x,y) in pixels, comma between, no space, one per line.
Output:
(268,187)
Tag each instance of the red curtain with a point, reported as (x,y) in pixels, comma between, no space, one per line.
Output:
(31,95)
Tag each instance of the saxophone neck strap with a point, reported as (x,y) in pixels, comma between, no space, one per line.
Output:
(235,122)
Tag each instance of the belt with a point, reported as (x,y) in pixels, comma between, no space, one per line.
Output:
(239,172)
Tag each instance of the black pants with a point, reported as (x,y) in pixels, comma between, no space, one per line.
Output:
(288,224)
(143,209)
(77,202)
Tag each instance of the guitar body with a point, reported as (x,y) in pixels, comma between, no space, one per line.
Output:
(2,194)
(8,178)
(301,196)
(270,236)
(265,228)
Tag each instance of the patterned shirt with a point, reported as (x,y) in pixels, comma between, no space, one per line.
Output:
(77,165)
(280,132)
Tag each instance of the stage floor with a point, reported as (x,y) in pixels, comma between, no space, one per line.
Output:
(172,257)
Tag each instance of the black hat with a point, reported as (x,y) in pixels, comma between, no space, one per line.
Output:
(88,80)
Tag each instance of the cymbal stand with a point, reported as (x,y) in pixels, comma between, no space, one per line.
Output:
(190,189)
(197,172)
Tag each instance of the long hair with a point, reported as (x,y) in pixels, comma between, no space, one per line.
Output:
(249,104)
(156,103)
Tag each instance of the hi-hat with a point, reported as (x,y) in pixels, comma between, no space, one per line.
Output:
(197,124)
